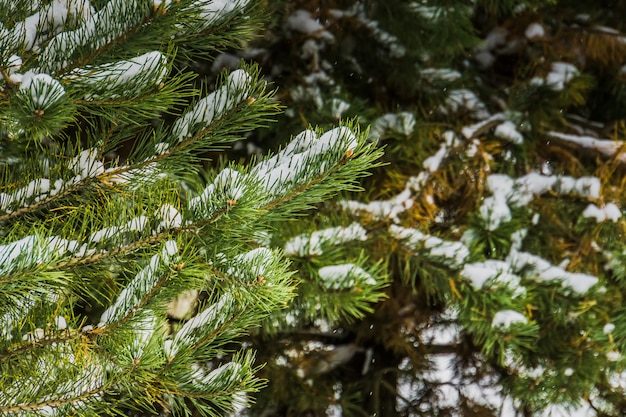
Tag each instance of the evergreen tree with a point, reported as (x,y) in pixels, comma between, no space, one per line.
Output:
(498,217)
(116,208)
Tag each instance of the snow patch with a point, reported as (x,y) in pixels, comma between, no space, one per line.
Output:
(608,212)
(310,244)
(506,318)
(535,31)
(454,253)
(123,78)
(214,106)
(508,132)
(43,90)
(344,276)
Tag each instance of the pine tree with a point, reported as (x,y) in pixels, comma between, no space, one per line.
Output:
(497,219)
(116,207)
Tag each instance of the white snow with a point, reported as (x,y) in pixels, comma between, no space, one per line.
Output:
(215,105)
(293,164)
(302,21)
(210,318)
(608,212)
(60,323)
(31,251)
(389,42)
(382,209)
(139,286)
(535,31)
(310,244)
(471,131)
(43,90)
(253,263)
(560,74)
(433,162)
(123,77)
(47,21)
(223,376)
(506,318)
(158,3)
(111,21)
(494,211)
(508,131)
(463,99)
(161,147)
(228,186)
(14,64)
(137,224)
(455,253)
(106,233)
(87,164)
(143,331)
(587,187)
(170,217)
(38,188)
(518,192)
(402,123)
(344,276)
(491,271)
(338,107)
(608,328)
(440,74)
(537,268)
(169,249)
(605,146)
(217,9)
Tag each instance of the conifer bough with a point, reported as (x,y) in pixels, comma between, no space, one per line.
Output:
(106,218)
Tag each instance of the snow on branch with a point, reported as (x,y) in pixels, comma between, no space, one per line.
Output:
(253,265)
(222,378)
(87,164)
(536,268)
(236,88)
(33,192)
(115,19)
(205,324)
(604,146)
(141,285)
(345,276)
(608,212)
(454,254)
(41,91)
(78,379)
(402,123)
(493,272)
(392,208)
(121,79)
(382,209)
(32,251)
(215,10)
(304,158)
(506,318)
(227,187)
(508,192)
(311,244)
(46,20)
(561,73)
